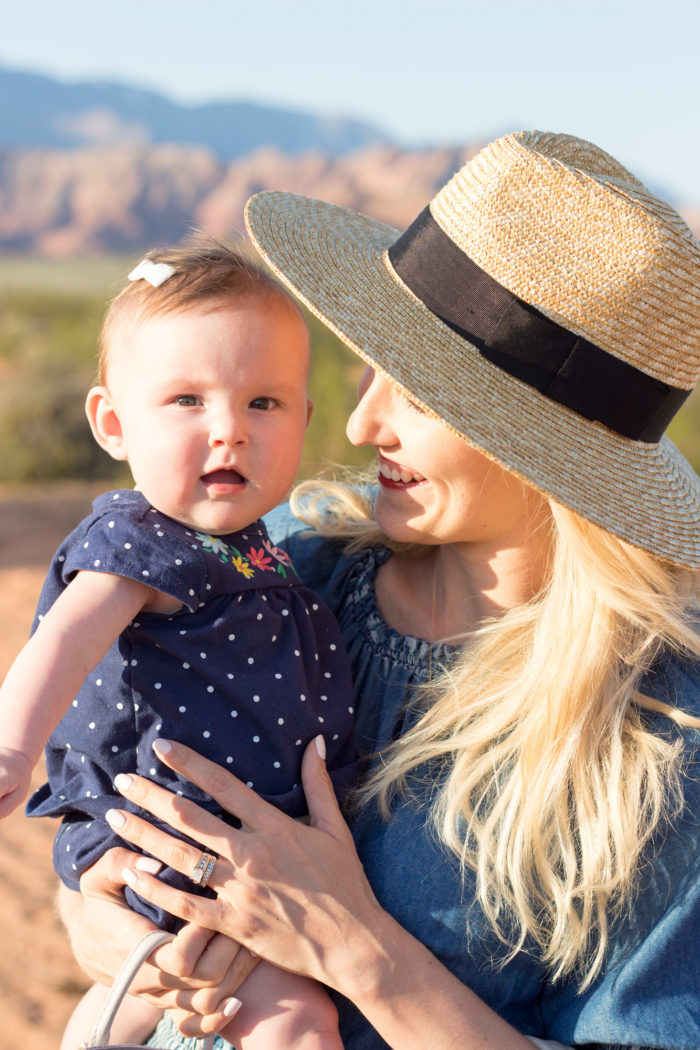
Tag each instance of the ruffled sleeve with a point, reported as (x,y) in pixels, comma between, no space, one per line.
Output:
(127,537)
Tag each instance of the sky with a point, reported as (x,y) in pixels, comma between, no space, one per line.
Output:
(625,75)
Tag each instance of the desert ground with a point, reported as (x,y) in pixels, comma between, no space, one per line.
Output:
(39,980)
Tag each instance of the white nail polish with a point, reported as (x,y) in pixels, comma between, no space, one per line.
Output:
(231,1007)
(123,782)
(149,865)
(115,818)
(321,747)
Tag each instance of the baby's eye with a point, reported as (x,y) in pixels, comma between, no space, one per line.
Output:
(263,404)
(187,400)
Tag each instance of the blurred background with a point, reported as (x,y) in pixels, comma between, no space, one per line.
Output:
(124,126)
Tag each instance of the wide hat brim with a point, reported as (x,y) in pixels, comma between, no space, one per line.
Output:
(335,262)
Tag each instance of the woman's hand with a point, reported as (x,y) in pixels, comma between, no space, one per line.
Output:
(295,894)
(197,973)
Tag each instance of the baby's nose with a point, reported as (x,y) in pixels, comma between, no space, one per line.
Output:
(228,430)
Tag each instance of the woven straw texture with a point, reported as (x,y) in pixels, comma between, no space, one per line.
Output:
(564,227)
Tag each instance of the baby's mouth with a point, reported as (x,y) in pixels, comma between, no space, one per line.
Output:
(223,477)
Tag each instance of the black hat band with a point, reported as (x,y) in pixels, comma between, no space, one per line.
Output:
(521,341)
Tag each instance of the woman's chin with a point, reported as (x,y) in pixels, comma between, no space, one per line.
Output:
(400,529)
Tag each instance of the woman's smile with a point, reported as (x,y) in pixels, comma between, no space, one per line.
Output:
(465,497)
(392,475)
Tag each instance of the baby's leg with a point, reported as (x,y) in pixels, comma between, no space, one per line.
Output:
(282,1011)
(134,1022)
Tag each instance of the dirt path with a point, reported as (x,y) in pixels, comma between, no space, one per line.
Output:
(39,979)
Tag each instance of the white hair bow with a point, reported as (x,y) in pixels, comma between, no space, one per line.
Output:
(153,272)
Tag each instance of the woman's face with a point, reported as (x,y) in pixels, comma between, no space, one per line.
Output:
(434,488)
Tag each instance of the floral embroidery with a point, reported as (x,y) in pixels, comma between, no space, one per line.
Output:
(214,544)
(244,567)
(260,560)
(256,559)
(280,555)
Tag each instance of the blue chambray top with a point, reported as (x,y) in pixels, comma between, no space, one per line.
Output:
(649,992)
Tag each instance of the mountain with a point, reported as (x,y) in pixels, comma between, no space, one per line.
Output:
(101,167)
(44,113)
(129,197)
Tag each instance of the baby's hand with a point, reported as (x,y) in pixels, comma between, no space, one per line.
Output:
(15,777)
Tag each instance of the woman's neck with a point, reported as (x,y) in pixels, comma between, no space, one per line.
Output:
(447,592)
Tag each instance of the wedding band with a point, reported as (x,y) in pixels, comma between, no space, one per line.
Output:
(203,869)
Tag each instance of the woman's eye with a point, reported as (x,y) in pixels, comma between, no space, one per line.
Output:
(263,404)
(186,400)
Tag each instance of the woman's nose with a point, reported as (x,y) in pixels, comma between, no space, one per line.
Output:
(371,423)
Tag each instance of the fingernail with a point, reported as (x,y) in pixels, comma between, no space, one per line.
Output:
(321,747)
(115,818)
(162,747)
(149,865)
(130,877)
(123,782)
(231,1006)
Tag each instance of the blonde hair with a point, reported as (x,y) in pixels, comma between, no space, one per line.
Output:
(206,272)
(552,780)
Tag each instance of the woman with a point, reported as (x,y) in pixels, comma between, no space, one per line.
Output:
(520,607)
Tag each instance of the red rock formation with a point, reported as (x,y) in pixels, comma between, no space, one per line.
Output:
(128,197)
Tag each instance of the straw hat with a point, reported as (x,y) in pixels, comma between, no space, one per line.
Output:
(545,306)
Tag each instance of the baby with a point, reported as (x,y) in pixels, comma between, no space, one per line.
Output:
(168,612)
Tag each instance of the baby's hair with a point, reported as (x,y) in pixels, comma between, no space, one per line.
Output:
(205,273)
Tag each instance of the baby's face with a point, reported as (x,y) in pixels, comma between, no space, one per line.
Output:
(213,408)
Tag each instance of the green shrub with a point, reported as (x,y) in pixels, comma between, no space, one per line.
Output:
(48,336)
(47,364)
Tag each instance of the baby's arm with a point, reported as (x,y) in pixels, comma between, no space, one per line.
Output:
(282,1009)
(70,640)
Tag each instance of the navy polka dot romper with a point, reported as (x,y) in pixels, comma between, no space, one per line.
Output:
(249,670)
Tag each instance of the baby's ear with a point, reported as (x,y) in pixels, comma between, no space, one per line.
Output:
(104,422)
